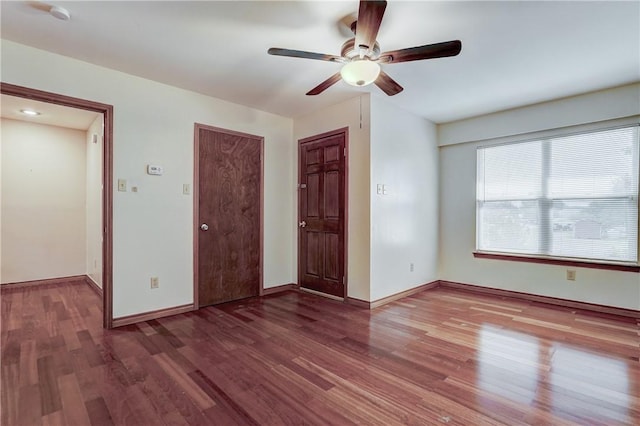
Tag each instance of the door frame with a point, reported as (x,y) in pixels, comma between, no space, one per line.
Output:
(107,179)
(196,203)
(344,131)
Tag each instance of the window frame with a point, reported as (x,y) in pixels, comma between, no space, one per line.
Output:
(545,138)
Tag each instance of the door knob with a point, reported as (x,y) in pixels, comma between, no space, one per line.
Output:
(302,224)
(204,227)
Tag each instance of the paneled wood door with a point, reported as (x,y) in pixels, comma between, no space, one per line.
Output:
(321,225)
(228,215)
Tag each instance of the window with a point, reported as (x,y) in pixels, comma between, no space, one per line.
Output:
(571,196)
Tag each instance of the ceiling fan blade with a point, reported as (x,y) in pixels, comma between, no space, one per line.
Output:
(306,55)
(325,84)
(369,18)
(387,84)
(429,51)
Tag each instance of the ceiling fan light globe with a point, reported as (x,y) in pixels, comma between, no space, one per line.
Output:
(360,72)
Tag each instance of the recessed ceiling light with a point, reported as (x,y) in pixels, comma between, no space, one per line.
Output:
(60,13)
(29,112)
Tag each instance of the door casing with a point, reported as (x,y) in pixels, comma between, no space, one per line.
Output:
(107,179)
(196,204)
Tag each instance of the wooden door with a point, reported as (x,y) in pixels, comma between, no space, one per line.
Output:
(322,199)
(229,215)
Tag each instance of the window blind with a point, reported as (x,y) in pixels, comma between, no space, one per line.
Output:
(569,196)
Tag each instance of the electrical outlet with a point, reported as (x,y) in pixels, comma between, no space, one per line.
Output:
(155,282)
(122,185)
(186,189)
(571,275)
(411,267)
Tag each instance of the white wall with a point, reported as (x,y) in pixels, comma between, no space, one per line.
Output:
(154,124)
(592,107)
(43,201)
(404,221)
(94,200)
(354,114)
(457,202)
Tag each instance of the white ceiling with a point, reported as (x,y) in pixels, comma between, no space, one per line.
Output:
(514,53)
(51,114)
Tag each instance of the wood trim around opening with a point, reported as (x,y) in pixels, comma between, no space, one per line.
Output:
(345,131)
(557,261)
(107,178)
(196,202)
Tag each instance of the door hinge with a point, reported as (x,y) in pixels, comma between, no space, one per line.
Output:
(345,151)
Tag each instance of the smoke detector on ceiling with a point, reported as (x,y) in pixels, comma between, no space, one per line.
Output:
(60,13)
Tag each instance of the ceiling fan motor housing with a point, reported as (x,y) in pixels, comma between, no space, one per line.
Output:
(349,50)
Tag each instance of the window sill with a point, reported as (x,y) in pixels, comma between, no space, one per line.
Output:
(626,267)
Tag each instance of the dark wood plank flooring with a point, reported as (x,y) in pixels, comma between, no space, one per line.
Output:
(444,356)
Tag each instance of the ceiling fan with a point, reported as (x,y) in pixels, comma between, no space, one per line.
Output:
(361,55)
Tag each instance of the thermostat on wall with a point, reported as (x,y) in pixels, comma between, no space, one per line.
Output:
(154,170)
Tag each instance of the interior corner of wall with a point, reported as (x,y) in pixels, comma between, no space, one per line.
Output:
(365,111)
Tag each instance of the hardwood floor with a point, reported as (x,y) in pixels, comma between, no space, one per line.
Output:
(444,356)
